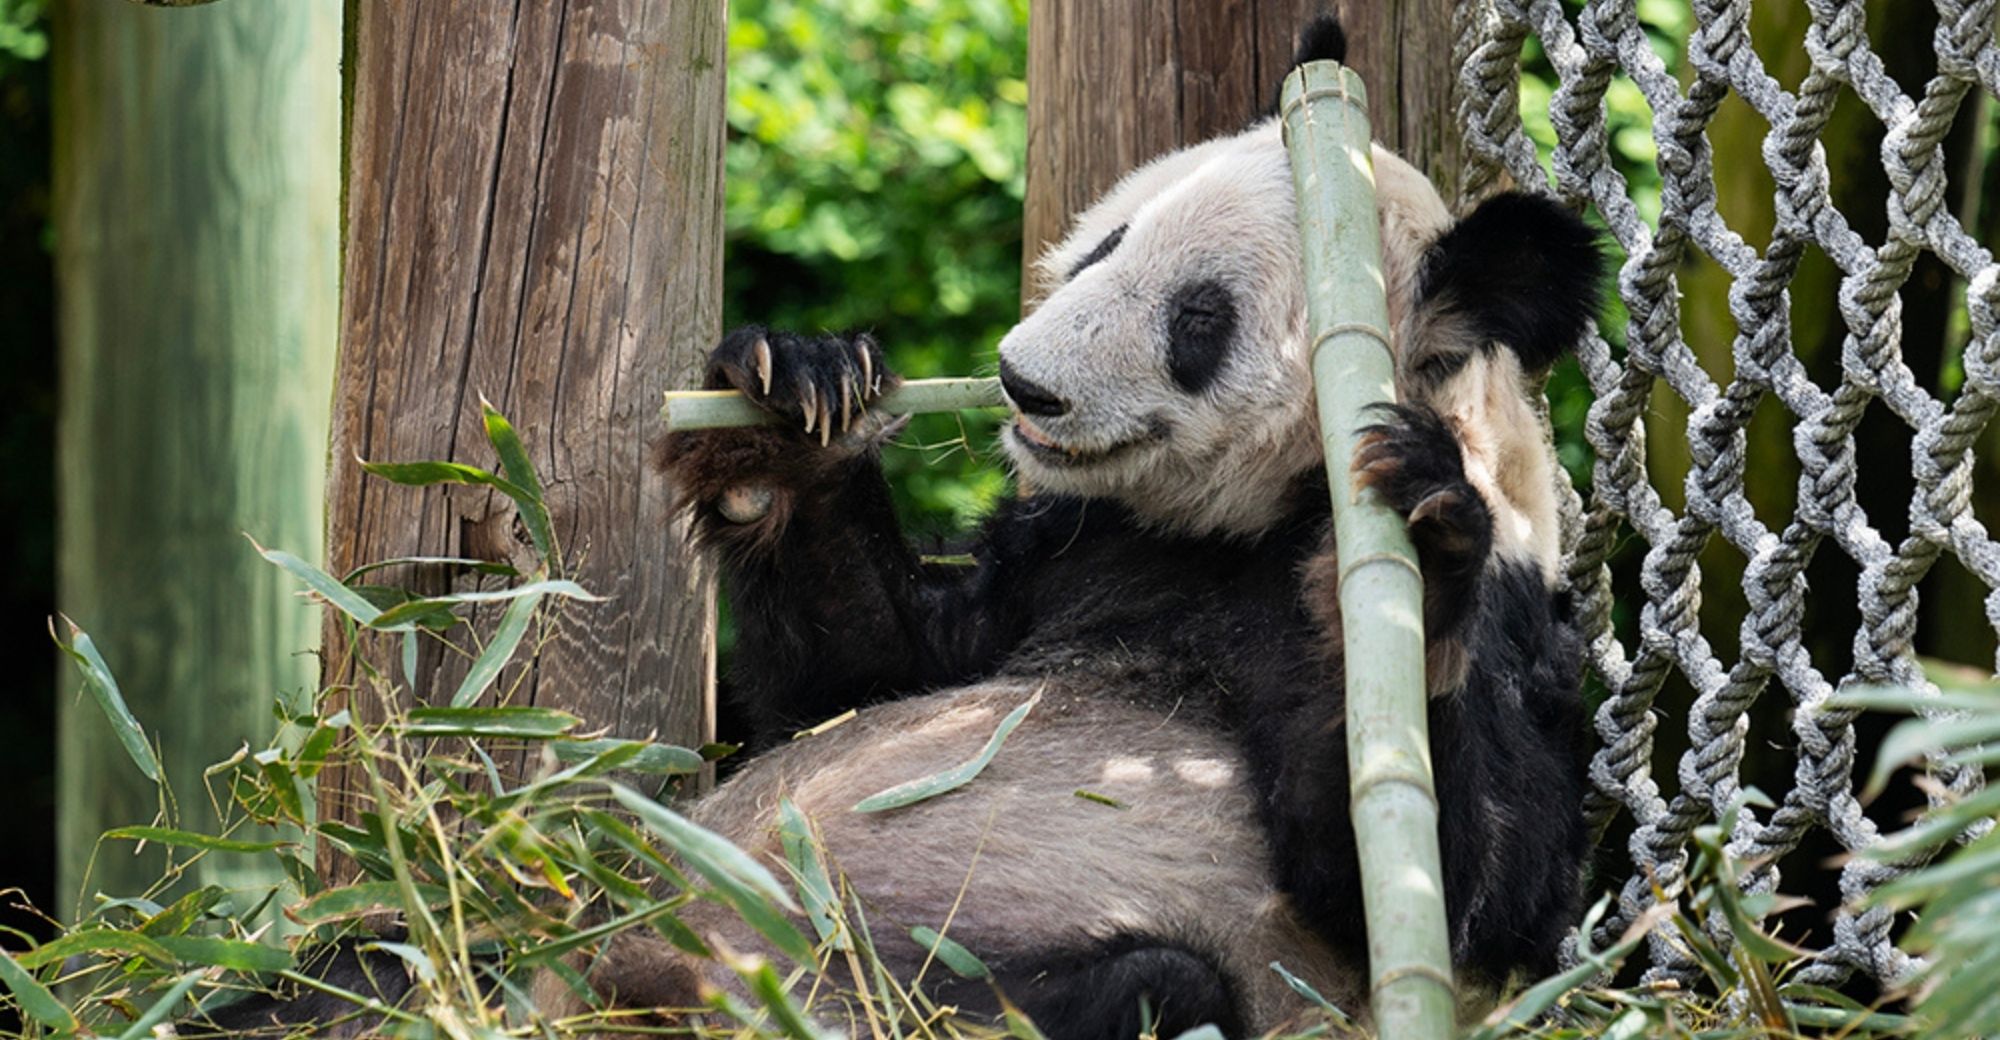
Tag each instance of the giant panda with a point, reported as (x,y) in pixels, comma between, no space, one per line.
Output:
(1167,591)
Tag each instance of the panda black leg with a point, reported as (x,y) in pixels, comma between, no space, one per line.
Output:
(1117,994)
(1413,458)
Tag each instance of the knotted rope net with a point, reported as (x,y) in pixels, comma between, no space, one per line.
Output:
(1587,50)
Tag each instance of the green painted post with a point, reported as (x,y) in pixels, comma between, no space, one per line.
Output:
(196,175)
(1393,802)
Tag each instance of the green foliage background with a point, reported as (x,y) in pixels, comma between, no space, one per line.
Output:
(875,179)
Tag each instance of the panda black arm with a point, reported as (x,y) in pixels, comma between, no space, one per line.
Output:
(833,609)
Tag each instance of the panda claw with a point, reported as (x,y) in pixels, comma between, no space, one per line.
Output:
(825,418)
(1434,505)
(761,353)
(807,405)
(867,364)
(846,404)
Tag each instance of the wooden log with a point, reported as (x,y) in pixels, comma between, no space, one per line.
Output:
(195,173)
(1113,83)
(535,215)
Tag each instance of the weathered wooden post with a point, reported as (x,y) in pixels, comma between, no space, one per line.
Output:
(534,213)
(195,172)
(1113,83)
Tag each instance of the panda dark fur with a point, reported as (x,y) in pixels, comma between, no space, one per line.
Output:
(1168,588)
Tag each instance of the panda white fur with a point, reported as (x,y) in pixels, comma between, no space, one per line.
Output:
(1168,589)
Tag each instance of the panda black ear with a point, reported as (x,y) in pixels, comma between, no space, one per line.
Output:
(1322,39)
(1523,270)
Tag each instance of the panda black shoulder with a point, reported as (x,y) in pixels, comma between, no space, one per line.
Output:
(1521,269)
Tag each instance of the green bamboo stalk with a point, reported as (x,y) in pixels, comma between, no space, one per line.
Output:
(1392,800)
(711,409)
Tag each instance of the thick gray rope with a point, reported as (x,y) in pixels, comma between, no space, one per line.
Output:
(1605,41)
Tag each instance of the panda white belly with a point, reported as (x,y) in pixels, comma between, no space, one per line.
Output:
(1030,865)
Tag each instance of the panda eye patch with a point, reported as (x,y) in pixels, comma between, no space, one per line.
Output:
(1101,250)
(1201,322)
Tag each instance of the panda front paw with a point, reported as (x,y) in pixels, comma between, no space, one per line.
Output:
(817,384)
(744,483)
(1414,460)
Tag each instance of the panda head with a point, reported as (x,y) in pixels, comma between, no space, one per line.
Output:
(1166,364)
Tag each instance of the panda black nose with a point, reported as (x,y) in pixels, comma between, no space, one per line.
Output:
(1027,396)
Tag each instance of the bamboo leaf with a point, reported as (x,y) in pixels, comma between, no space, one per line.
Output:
(710,854)
(191,840)
(336,904)
(1305,989)
(95,940)
(142,1027)
(524,722)
(412,612)
(418,960)
(770,991)
(652,759)
(1514,1018)
(97,678)
(815,886)
(1911,739)
(481,566)
(959,959)
(185,911)
(507,444)
(344,599)
(235,955)
(741,881)
(35,999)
(499,650)
(931,786)
(424,474)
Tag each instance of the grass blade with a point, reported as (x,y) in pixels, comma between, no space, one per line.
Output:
(951,779)
(97,678)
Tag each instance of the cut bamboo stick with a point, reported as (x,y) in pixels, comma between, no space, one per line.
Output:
(712,409)
(1393,801)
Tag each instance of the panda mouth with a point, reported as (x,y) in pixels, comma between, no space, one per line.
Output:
(1047,449)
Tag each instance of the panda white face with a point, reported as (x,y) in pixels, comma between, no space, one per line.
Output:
(1166,367)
